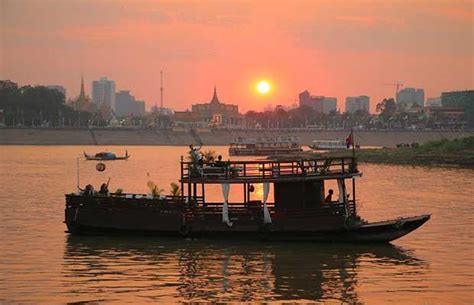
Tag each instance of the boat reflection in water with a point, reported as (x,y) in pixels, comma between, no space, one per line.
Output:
(145,269)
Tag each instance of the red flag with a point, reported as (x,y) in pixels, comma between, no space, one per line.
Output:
(349,140)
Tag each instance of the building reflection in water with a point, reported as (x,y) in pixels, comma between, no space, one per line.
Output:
(121,268)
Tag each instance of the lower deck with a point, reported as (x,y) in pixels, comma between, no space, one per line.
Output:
(142,213)
(100,215)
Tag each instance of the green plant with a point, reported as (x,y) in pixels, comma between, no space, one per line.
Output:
(209,156)
(175,190)
(193,157)
(154,190)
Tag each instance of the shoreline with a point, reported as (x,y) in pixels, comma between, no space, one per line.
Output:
(410,156)
(147,137)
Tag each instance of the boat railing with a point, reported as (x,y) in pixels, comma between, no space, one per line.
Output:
(134,197)
(236,209)
(267,169)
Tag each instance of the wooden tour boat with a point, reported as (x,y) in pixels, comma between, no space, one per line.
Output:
(299,211)
(264,146)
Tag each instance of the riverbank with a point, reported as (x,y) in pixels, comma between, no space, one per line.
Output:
(57,136)
(457,152)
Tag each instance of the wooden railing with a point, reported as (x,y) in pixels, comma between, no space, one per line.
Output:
(268,169)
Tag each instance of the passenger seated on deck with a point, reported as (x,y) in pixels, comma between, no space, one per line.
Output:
(219,162)
(329,196)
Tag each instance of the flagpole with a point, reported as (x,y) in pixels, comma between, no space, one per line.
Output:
(353,142)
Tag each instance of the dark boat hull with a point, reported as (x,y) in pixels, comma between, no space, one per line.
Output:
(108,221)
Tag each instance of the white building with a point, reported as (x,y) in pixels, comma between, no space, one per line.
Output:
(103,92)
(355,103)
(408,97)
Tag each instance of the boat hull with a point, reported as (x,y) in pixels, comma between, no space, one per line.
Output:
(106,159)
(112,221)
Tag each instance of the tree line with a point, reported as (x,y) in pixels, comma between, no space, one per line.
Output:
(34,106)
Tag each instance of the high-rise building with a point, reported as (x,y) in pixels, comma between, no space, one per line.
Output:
(408,97)
(357,103)
(140,107)
(58,88)
(127,105)
(318,103)
(462,100)
(103,92)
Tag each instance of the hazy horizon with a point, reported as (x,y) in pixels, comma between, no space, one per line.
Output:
(330,48)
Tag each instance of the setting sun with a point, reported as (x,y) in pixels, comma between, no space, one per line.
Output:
(263,87)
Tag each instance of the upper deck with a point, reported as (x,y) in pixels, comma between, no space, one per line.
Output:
(269,170)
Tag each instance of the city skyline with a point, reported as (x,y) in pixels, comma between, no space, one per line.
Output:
(331,49)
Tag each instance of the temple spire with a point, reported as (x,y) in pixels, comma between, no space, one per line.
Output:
(214,97)
(82,95)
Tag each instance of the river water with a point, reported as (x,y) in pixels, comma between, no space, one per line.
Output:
(40,263)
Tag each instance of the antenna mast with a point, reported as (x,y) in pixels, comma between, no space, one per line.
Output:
(161,93)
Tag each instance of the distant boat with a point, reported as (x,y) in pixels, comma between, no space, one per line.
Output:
(105,155)
(328,144)
(264,146)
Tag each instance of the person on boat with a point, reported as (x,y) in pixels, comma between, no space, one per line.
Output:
(195,153)
(329,196)
(104,189)
(88,190)
(219,162)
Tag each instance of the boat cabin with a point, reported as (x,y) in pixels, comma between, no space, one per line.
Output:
(299,187)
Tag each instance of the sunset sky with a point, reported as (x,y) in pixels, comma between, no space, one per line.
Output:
(333,48)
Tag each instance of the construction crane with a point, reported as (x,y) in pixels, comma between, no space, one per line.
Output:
(398,85)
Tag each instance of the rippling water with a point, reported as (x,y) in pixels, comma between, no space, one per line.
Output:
(40,263)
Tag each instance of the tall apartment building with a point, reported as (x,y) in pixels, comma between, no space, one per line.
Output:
(355,103)
(127,105)
(461,100)
(408,97)
(318,103)
(103,92)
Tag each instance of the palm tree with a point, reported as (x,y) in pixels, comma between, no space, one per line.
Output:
(175,190)
(209,156)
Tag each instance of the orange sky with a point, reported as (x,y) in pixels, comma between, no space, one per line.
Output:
(333,48)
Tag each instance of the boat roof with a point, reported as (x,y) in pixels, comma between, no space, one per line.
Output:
(260,171)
